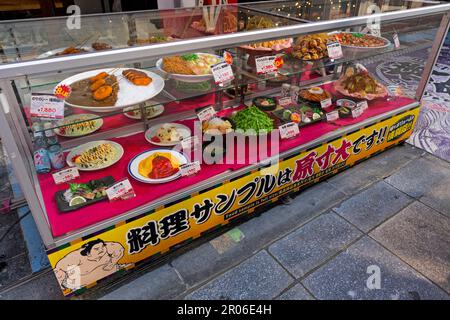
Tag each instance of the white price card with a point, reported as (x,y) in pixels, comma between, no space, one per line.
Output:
(46,106)
(190,143)
(190,168)
(375,29)
(396,40)
(285,101)
(356,112)
(394,90)
(289,130)
(120,190)
(363,105)
(334,50)
(65,175)
(265,64)
(332,116)
(325,103)
(206,113)
(339,69)
(222,72)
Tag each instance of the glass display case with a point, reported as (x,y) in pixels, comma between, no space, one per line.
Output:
(145,130)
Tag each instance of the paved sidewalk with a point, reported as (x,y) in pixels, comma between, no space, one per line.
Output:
(389,214)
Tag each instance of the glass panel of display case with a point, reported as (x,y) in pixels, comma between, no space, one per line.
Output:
(321,10)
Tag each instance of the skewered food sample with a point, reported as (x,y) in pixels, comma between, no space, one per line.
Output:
(360,84)
(190,64)
(217,126)
(70,50)
(98,46)
(311,47)
(314,94)
(102,92)
(159,165)
(137,77)
(359,40)
(96,156)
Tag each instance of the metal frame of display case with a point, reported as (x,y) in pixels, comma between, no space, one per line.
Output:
(17,141)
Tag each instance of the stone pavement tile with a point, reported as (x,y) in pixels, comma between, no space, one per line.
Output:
(438,197)
(346,276)
(314,243)
(15,269)
(161,283)
(204,261)
(41,287)
(259,277)
(421,237)
(13,244)
(369,208)
(297,292)
(393,159)
(418,176)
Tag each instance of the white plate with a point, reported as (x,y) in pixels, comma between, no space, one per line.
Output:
(388,43)
(128,94)
(74,118)
(184,131)
(185,77)
(133,166)
(157,110)
(78,150)
(53,52)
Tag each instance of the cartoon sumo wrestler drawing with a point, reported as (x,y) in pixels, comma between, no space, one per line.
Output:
(96,259)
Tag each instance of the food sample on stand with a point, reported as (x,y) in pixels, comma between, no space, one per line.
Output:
(311,47)
(136,77)
(78,125)
(260,22)
(152,110)
(302,114)
(82,194)
(190,64)
(159,165)
(360,84)
(167,134)
(252,120)
(217,126)
(265,103)
(359,40)
(70,50)
(98,46)
(314,94)
(227,20)
(95,155)
(150,40)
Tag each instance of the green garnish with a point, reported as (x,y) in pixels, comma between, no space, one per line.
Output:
(190,57)
(358,35)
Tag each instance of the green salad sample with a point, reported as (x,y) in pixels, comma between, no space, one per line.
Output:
(251,120)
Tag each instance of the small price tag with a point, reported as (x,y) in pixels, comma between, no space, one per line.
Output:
(266,64)
(222,73)
(396,40)
(332,116)
(395,90)
(120,190)
(325,103)
(206,113)
(289,130)
(46,106)
(334,50)
(356,112)
(190,168)
(339,69)
(363,105)
(65,175)
(284,101)
(191,143)
(375,29)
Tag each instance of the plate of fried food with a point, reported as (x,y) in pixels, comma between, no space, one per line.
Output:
(106,90)
(314,94)
(311,47)
(95,155)
(358,40)
(65,51)
(157,165)
(192,67)
(360,84)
